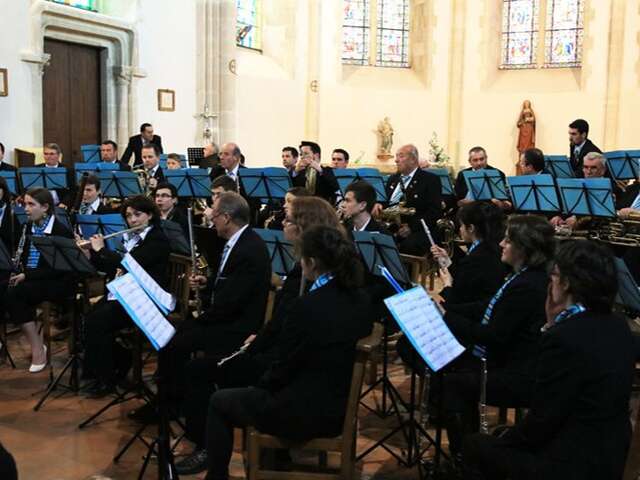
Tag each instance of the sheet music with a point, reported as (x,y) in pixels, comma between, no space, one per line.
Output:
(142,310)
(422,323)
(162,298)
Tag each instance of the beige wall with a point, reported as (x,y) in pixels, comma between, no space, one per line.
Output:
(455,87)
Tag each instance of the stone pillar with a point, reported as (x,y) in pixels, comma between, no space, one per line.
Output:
(312,93)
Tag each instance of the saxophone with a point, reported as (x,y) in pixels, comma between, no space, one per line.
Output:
(482,406)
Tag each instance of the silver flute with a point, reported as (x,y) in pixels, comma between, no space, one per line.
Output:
(482,407)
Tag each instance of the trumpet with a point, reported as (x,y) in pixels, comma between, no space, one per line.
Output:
(86,243)
(143,180)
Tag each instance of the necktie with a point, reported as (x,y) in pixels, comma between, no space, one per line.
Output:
(636,203)
(84,209)
(223,259)
(399,191)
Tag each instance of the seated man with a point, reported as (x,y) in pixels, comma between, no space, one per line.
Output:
(4,166)
(109,154)
(417,189)
(310,174)
(478,159)
(166,199)
(151,163)
(532,162)
(91,201)
(340,158)
(578,423)
(174,162)
(359,200)
(62,197)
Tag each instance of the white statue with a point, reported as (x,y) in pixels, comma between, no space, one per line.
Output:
(385,131)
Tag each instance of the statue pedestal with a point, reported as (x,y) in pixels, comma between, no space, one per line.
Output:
(384,157)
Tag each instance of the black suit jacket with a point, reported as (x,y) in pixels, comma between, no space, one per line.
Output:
(476,276)
(6,167)
(134,147)
(626,198)
(326,184)
(576,163)
(460,186)
(240,294)
(511,337)
(9,229)
(42,271)
(316,355)
(152,253)
(578,424)
(424,194)
(178,216)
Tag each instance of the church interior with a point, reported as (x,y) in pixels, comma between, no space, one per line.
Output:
(355,90)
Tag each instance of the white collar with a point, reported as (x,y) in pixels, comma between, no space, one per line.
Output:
(579,147)
(95,204)
(153,171)
(234,171)
(48,228)
(364,227)
(234,238)
(52,166)
(413,172)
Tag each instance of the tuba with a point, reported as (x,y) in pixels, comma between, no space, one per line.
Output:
(143,180)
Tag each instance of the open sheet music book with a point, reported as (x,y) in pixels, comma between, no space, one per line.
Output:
(165,301)
(422,323)
(142,310)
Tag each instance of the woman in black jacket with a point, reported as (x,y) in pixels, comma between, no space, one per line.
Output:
(578,424)
(105,359)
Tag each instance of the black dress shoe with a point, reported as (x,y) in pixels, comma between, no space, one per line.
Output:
(100,390)
(194,463)
(146,414)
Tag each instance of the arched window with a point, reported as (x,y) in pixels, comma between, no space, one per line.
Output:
(248,24)
(523,23)
(376,32)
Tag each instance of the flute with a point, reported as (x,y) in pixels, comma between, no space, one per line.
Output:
(444,262)
(86,243)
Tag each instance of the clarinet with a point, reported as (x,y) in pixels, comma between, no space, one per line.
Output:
(16,261)
(482,407)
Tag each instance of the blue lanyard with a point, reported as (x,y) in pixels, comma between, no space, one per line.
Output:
(321,281)
(473,246)
(568,312)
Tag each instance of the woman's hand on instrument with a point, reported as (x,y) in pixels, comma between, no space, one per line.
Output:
(438,252)
(16,279)
(249,339)
(97,242)
(445,277)
(197,280)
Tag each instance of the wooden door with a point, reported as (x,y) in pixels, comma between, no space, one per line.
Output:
(72,99)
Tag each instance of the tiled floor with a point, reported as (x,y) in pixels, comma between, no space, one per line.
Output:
(48,445)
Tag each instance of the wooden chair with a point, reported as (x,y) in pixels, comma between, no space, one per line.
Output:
(422,269)
(345,443)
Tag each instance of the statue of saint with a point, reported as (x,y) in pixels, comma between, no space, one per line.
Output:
(527,131)
(385,130)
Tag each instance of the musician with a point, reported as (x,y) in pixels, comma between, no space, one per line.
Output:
(315,361)
(532,162)
(136,143)
(37,281)
(4,166)
(8,227)
(209,156)
(275,221)
(204,376)
(91,201)
(230,156)
(579,145)
(310,174)
(578,423)
(339,158)
(359,200)
(289,158)
(420,190)
(174,162)
(104,358)
(478,160)
(220,184)
(166,198)
(61,196)
(506,331)
(151,163)
(109,154)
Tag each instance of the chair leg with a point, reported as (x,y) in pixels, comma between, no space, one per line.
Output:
(502,416)
(253,452)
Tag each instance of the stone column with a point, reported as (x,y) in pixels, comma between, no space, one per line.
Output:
(312,93)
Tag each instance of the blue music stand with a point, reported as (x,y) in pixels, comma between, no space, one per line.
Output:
(49,178)
(559,166)
(534,193)
(103,224)
(190,182)
(378,249)
(445,180)
(82,169)
(267,184)
(12,180)
(90,153)
(628,292)
(623,164)
(116,184)
(587,196)
(485,184)
(280,251)
(346,176)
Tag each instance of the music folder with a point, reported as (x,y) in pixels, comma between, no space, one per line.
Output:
(534,193)
(63,255)
(11,179)
(380,250)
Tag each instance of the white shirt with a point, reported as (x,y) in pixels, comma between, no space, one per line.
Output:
(229,247)
(400,186)
(153,171)
(233,173)
(93,207)
(362,229)
(578,148)
(48,228)
(54,194)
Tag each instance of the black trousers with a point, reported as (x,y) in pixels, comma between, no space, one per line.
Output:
(203,377)
(102,355)
(8,469)
(20,301)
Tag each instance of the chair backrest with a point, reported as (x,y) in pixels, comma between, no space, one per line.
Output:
(179,273)
(364,348)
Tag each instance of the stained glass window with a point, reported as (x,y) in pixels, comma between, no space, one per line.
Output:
(563,36)
(84,4)
(519,33)
(248,20)
(393,33)
(355,32)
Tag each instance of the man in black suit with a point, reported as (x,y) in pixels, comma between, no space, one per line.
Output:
(478,160)
(235,297)
(289,158)
(109,154)
(62,197)
(136,143)
(578,422)
(230,157)
(4,166)
(91,203)
(210,157)
(417,189)
(151,163)
(308,173)
(579,144)
(359,200)
(166,198)
(532,162)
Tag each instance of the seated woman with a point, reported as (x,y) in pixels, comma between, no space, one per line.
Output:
(204,375)
(104,358)
(506,334)
(35,281)
(303,394)
(578,423)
